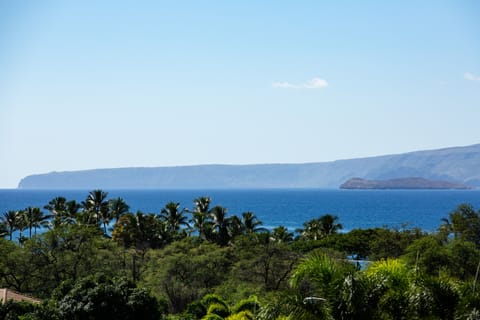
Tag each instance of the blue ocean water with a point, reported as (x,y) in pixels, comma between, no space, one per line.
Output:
(290,208)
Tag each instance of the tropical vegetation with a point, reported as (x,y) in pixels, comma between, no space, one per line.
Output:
(97,259)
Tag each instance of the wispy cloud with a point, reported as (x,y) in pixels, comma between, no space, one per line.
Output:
(471,77)
(315,83)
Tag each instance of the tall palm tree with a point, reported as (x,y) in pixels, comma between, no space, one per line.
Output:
(251,223)
(200,218)
(39,219)
(220,225)
(21,223)
(311,230)
(202,204)
(10,218)
(28,215)
(316,229)
(72,208)
(118,207)
(174,217)
(235,227)
(281,234)
(57,208)
(140,231)
(329,224)
(96,207)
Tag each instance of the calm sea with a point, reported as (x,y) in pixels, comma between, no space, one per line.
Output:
(290,208)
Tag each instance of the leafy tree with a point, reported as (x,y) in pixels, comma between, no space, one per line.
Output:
(40,264)
(11,310)
(101,297)
(16,270)
(464,223)
(263,263)
(391,243)
(184,272)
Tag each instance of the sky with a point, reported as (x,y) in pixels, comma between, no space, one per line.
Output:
(106,84)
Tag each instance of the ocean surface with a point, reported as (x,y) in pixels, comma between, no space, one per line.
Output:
(290,208)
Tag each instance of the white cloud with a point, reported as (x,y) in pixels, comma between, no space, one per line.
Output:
(315,83)
(471,77)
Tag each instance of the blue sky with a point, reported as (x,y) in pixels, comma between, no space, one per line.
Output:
(101,84)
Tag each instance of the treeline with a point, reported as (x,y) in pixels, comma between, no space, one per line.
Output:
(98,260)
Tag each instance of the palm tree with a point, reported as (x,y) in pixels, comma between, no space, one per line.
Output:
(71,211)
(235,227)
(118,207)
(250,223)
(312,230)
(39,219)
(281,234)
(329,224)
(174,217)
(200,217)
(96,207)
(10,219)
(316,229)
(34,218)
(59,211)
(140,231)
(28,215)
(317,279)
(21,223)
(202,204)
(220,225)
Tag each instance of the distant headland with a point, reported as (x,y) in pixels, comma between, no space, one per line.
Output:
(455,165)
(402,183)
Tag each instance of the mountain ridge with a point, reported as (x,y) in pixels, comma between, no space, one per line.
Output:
(454,164)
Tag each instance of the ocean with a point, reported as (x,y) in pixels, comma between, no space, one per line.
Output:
(290,208)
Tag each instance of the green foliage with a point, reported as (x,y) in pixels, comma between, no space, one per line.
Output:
(250,304)
(11,310)
(316,229)
(243,315)
(184,272)
(104,298)
(212,316)
(464,224)
(218,309)
(212,269)
(263,262)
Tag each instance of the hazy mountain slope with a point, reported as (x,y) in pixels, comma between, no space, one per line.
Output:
(459,164)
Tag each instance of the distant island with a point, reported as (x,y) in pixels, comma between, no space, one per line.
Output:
(402,183)
(459,164)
